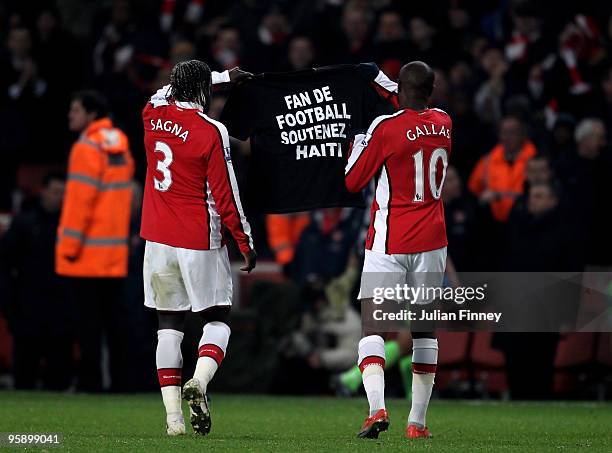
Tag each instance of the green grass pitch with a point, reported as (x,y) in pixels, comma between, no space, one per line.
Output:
(286,424)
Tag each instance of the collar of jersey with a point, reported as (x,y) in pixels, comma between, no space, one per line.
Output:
(188,105)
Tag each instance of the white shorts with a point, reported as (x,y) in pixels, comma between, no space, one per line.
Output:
(414,269)
(177,279)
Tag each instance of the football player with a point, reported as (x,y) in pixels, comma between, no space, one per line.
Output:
(190,196)
(406,242)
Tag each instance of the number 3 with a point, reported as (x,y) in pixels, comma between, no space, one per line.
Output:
(162,166)
(438,153)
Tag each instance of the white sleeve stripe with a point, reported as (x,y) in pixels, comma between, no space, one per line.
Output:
(220,77)
(220,127)
(363,142)
(385,82)
(159,98)
(246,227)
(232,177)
(359,145)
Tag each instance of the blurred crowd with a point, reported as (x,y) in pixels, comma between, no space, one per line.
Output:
(528,85)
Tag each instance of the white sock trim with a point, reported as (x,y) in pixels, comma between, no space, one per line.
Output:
(425,343)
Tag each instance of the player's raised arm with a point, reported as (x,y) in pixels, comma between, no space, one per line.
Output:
(228,76)
(383,85)
(224,189)
(366,156)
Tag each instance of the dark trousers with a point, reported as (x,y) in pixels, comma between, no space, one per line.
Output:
(530,364)
(44,356)
(99,307)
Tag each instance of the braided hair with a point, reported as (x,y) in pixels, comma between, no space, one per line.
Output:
(190,81)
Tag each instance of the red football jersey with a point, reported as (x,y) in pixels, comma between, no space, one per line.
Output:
(190,189)
(408,152)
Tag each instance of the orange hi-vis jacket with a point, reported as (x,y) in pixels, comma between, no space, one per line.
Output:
(284,231)
(493,172)
(92,238)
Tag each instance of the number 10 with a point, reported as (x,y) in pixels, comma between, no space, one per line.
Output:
(438,153)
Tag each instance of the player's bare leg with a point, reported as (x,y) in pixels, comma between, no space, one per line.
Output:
(424,362)
(211,350)
(169,361)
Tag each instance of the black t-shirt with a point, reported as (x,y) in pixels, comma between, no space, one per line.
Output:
(299,124)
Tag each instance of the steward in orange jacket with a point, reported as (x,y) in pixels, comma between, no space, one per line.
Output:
(92,238)
(284,231)
(499,177)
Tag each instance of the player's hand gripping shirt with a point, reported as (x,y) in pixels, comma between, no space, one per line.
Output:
(190,188)
(298,124)
(408,154)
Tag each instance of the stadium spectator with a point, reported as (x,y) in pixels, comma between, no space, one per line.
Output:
(40,316)
(92,245)
(540,239)
(391,43)
(323,249)
(590,138)
(498,178)
(421,35)
(325,342)
(539,235)
(24,92)
(301,53)
(488,98)
(586,177)
(441,94)
(354,45)
(273,28)
(538,170)
(50,41)
(471,136)
(22,79)
(460,213)
(605,101)
(226,49)
(284,231)
(562,137)
(50,44)
(527,45)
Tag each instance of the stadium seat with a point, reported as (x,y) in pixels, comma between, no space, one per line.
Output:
(575,350)
(482,354)
(487,365)
(6,346)
(574,362)
(452,373)
(604,350)
(453,348)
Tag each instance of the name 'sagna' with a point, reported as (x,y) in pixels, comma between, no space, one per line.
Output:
(171,127)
